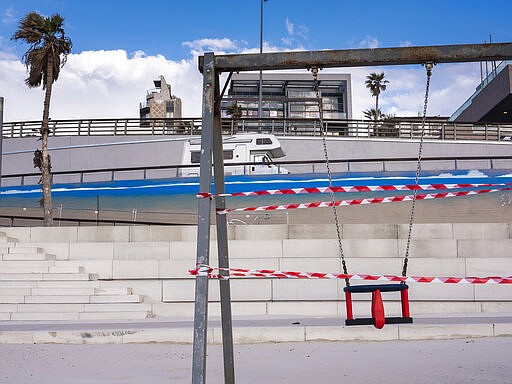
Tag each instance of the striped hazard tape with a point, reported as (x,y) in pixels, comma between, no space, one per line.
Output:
(352,188)
(226,273)
(373,200)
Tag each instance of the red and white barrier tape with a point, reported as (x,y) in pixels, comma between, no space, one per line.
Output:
(269,273)
(373,200)
(353,188)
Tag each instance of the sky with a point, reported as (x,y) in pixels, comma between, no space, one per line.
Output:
(121,46)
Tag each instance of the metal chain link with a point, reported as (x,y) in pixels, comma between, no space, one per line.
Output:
(428,67)
(339,229)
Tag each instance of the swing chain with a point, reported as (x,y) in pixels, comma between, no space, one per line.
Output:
(314,72)
(428,68)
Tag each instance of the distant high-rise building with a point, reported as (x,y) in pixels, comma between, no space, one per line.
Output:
(160,102)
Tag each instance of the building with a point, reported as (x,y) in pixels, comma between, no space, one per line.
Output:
(492,100)
(160,102)
(290,96)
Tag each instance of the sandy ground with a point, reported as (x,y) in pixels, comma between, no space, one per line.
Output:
(480,361)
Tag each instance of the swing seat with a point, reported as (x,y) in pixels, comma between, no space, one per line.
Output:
(378,318)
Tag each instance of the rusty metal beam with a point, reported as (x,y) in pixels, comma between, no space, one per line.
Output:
(362,57)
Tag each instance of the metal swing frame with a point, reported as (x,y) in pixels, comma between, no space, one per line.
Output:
(211,67)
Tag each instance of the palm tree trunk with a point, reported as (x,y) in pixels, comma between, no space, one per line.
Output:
(45,171)
(377,106)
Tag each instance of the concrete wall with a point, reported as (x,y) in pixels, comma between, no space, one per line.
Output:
(154,261)
(130,154)
(170,152)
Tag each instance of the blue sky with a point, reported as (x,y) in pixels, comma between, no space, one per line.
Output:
(120,46)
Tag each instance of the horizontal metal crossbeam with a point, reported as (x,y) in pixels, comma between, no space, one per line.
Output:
(362,57)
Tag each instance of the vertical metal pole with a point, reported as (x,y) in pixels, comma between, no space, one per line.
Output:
(222,242)
(1,134)
(260,99)
(203,225)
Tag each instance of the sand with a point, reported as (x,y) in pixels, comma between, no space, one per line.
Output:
(482,361)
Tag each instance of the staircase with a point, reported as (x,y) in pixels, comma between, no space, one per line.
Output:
(135,272)
(36,286)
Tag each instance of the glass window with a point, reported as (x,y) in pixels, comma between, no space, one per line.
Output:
(195,156)
(264,141)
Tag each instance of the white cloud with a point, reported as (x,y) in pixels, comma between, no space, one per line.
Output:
(303,32)
(111,84)
(451,85)
(9,16)
(100,84)
(369,42)
(198,47)
(286,41)
(295,34)
(289,26)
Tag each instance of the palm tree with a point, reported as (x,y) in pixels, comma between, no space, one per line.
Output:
(372,114)
(43,60)
(235,111)
(376,84)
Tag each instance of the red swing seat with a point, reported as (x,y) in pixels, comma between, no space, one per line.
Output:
(378,318)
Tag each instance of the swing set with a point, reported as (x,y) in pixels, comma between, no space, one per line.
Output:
(211,67)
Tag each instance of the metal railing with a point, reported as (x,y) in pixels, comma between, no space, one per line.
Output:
(401,129)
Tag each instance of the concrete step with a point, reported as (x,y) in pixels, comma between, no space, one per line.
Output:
(48,276)
(66,269)
(105,299)
(59,291)
(27,256)
(20,316)
(25,249)
(64,285)
(17,284)
(6,298)
(74,311)
(25,269)
(15,292)
(70,276)
(126,315)
(39,316)
(21,276)
(25,263)
(57,299)
(79,299)
(7,239)
(113,291)
(117,307)
(40,268)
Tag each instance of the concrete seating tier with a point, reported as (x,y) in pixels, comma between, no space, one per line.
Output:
(142,270)
(36,286)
